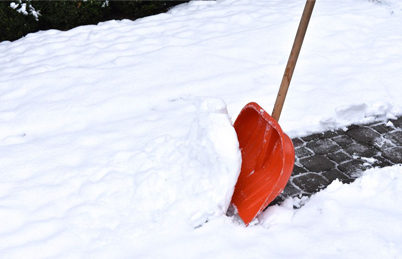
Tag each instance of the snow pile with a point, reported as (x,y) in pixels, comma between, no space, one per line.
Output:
(360,220)
(357,220)
(75,189)
(189,179)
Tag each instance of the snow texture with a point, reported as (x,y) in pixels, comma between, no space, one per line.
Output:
(116,139)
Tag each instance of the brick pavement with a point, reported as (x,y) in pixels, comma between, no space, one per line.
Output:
(342,154)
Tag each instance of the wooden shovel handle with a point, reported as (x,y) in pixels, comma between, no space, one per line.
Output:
(294,54)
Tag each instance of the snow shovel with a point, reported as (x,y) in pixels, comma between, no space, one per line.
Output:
(267,153)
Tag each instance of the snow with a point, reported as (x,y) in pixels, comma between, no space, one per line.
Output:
(23,9)
(360,220)
(116,139)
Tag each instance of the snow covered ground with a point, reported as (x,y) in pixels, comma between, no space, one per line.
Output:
(116,139)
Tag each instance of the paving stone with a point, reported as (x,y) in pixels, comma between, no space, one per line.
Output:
(382,128)
(395,137)
(361,150)
(323,146)
(352,127)
(382,143)
(297,142)
(352,167)
(311,137)
(339,156)
(348,180)
(363,134)
(394,154)
(290,190)
(382,162)
(303,152)
(310,182)
(317,163)
(332,133)
(278,200)
(298,170)
(344,140)
(398,122)
(334,174)
(323,157)
(326,134)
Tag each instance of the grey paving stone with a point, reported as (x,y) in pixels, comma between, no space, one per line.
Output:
(298,170)
(394,154)
(361,150)
(344,140)
(398,122)
(395,137)
(348,180)
(363,134)
(326,134)
(382,143)
(323,146)
(311,137)
(332,133)
(352,167)
(382,128)
(310,182)
(334,174)
(290,190)
(382,162)
(303,152)
(297,142)
(283,196)
(278,200)
(352,127)
(317,163)
(323,157)
(339,156)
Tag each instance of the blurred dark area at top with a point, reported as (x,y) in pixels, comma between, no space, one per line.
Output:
(20,17)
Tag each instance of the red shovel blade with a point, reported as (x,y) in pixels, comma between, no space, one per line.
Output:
(267,161)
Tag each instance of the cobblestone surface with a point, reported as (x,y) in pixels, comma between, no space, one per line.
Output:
(342,154)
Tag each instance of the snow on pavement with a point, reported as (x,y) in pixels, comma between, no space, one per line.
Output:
(359,220)
(116,139)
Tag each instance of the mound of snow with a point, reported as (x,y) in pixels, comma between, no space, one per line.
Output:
(190,178)
(107,185)
(357,220)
